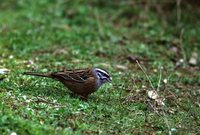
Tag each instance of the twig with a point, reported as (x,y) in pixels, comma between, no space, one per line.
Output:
(165,119)
(178,13)
(150,104)
(145,74)
(160,77)
(55,105)
(182,48)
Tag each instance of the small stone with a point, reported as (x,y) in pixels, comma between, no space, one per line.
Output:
(152,94)
(165,81)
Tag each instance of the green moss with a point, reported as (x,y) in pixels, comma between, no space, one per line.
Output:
(47,36)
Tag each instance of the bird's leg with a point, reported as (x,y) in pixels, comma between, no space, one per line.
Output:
(72,95)
(83,97)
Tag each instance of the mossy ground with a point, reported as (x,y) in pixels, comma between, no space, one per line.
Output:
(48,36)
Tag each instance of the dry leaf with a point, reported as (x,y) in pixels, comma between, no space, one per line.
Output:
(4,71)
(193,59)
(121,67)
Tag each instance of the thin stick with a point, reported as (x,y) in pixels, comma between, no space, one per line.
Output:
(55,105)
(178,12)
(165,119)
(145,74)
(182,48)
(160,77)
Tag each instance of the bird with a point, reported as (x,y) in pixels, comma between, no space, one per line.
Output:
(81,82)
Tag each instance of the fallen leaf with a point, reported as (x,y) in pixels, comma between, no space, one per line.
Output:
(193,59)
(133,59)
(121,67)
(4,71)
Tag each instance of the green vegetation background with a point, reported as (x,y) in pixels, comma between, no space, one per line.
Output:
(45,35)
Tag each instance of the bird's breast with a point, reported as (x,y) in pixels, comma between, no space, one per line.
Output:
(86,87)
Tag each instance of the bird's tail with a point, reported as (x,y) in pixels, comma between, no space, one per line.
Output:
(38,74)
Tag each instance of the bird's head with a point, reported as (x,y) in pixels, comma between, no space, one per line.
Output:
(102,76)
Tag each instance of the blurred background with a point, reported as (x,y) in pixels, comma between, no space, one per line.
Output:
(50,35)
(100,28)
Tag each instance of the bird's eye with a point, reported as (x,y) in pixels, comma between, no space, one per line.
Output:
(84,77)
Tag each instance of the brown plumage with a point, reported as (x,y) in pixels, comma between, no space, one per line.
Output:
(80,81)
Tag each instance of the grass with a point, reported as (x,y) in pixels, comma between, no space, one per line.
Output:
(49,36)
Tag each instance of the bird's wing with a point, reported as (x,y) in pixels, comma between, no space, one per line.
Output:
(78,76)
